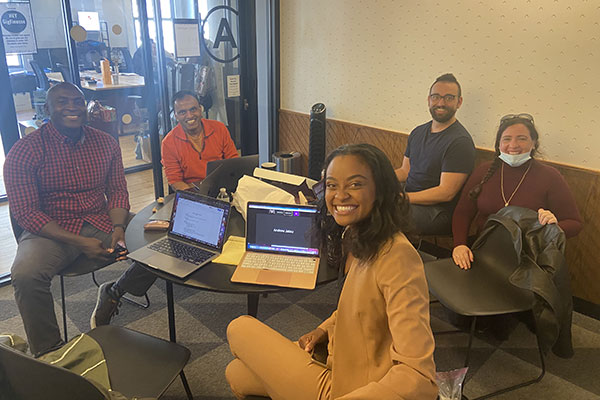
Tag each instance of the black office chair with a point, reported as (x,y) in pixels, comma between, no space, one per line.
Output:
(76,268)
(22,82)
(185,76)
(122,56)
(127,60)
(483,290)
(138,366)
(65,73)
(40,76)
(90,53)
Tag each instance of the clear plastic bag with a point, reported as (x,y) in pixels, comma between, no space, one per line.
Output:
(450,383)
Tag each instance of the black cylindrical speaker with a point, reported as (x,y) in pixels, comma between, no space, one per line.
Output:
(316,141)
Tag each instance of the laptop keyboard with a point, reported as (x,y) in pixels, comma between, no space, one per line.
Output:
(276,262)
(192,254)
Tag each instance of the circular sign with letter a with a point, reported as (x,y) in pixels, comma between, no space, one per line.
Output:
(224,47)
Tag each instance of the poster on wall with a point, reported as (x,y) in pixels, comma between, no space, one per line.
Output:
(17,28)
(233,85)
(187,39)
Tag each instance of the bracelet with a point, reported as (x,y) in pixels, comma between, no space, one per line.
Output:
(119,226)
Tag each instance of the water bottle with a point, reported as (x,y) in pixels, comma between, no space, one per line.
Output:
(223,195)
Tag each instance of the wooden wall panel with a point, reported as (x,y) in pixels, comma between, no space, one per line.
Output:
(584,264)
(295,137)
(294,132)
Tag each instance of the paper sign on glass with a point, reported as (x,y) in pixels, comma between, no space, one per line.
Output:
(187,38)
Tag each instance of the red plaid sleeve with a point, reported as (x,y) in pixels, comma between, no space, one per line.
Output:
(116,185)
(20,168)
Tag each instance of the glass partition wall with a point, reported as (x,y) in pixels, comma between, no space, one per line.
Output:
(27,67)
(112,33)
(99,45)
(129,66)
(112,75)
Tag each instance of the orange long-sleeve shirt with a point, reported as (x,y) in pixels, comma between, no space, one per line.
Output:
(183,163)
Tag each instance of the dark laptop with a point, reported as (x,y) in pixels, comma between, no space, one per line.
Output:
(226,173)
(196,236)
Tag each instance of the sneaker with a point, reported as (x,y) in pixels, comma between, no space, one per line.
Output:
(106,306)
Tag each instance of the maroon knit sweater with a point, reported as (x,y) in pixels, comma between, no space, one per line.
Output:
(543,187)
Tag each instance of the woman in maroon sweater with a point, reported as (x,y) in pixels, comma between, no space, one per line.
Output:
(513,178)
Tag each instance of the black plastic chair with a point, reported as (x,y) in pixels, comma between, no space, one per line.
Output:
(40,76)
(483,290)
(76,268)
(138,365)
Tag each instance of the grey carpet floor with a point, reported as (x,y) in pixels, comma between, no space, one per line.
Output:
(202,319)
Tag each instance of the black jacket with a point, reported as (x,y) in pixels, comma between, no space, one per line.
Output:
(542,270)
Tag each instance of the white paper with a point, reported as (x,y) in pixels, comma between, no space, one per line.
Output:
(233,86)
(17,28)
(283,177)
(187,39)
(252,189)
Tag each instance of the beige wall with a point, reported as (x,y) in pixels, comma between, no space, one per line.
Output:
(372,62)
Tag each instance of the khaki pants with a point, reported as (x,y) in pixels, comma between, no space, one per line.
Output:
(268,364)
(37,261)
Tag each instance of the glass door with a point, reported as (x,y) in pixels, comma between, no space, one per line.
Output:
(28,62)
(218,62)
(107,39)
(111,33)
(112,75)
(33,40)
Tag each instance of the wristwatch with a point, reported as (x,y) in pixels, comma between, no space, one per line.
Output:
(119,226)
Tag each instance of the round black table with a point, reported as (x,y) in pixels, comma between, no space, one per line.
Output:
(213,277)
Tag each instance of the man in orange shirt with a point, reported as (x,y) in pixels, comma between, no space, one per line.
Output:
(193,143)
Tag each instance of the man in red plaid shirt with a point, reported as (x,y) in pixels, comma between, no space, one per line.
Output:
(67,190)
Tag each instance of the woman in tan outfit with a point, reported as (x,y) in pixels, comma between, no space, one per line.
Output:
(380,344)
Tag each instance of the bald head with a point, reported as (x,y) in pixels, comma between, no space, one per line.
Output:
(66,106)
(55,90)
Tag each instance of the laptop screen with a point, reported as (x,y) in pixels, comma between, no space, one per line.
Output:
(282,228)
(200,219)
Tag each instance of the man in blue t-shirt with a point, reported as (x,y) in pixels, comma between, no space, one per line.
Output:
(439,157)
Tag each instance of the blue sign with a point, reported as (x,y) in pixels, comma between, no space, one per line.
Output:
(14,21)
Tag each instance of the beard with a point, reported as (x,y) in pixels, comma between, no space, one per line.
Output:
(441,118)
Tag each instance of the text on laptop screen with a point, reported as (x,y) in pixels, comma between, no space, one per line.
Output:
(198,221)
(282,229)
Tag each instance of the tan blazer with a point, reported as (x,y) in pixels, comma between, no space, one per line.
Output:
(380,341)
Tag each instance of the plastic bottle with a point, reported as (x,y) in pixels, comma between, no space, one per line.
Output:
(223,195)
(105,69)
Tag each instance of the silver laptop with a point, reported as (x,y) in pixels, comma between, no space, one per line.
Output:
(281,246)
(196,236)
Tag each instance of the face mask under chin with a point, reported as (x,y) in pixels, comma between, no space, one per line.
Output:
(515,160)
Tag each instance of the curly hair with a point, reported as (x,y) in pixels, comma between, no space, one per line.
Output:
(450,78)
(388,216)
(474,193)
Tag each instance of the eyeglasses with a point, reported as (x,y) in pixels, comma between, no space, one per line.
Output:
(508,117)
(447,98)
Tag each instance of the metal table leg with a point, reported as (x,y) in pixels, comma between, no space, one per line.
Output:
(171,311)
(253,304)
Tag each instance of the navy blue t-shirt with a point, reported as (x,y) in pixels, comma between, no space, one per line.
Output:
(430,154)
